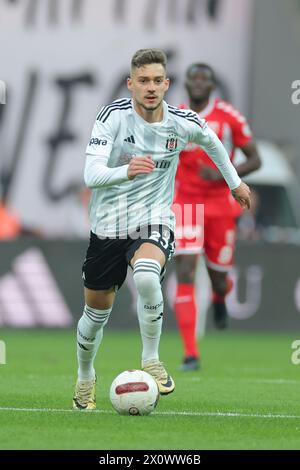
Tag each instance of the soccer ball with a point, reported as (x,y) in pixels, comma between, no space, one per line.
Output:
(134,392)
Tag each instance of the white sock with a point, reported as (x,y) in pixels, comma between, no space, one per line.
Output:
(89,336)
(146,275)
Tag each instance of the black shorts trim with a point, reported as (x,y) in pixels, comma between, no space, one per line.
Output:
(137,245)
(102,287)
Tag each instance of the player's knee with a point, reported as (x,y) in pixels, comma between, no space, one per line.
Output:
(185,273)
(146,275)
(186,277)
(220,286)
(99,316)
(100,300)
(146,283)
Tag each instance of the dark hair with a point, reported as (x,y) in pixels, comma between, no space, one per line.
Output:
(148,56)
(201,66)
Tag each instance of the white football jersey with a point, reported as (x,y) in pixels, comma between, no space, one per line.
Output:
(119,134)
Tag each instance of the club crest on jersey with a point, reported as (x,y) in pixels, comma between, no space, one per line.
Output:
(171,143)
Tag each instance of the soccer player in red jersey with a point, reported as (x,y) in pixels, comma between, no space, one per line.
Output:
(198,181)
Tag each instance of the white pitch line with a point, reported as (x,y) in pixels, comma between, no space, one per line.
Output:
(253,381)
(52,410)
(217,414)
(274,381)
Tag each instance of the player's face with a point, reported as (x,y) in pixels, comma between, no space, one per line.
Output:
(148,85)
(199,84)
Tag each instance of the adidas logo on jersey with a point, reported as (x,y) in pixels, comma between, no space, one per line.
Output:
(130,139)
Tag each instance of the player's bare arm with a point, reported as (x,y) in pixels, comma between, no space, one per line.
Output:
(241,194)
(209,173)
(253,161)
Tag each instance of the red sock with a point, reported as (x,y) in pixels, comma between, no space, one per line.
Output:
(217,298)
(186,313)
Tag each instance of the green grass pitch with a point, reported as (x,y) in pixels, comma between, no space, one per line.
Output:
(246,396)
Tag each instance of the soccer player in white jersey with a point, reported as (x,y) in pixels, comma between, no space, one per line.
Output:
(131,161)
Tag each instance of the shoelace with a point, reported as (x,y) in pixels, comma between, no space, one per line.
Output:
(158,370)
(84,392)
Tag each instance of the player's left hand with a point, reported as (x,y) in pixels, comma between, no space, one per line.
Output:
(242,195)
(210,174)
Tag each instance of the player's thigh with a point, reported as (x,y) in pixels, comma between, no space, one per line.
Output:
(155,242)
(99,299)
(218,278)
(219,242)
(104,269)
(149,251)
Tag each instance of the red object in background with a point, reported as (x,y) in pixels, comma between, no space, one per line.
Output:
(233,131)
(10,226)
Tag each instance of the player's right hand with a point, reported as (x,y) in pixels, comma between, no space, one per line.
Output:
(140,166)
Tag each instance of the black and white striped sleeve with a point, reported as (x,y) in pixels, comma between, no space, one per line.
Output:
(102,138)
(96,172)
(106,127)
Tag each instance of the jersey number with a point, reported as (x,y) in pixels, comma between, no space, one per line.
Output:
(156,236)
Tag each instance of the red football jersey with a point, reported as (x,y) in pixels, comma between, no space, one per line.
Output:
(233,131)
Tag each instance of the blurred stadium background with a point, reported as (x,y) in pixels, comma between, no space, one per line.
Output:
(62,60)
